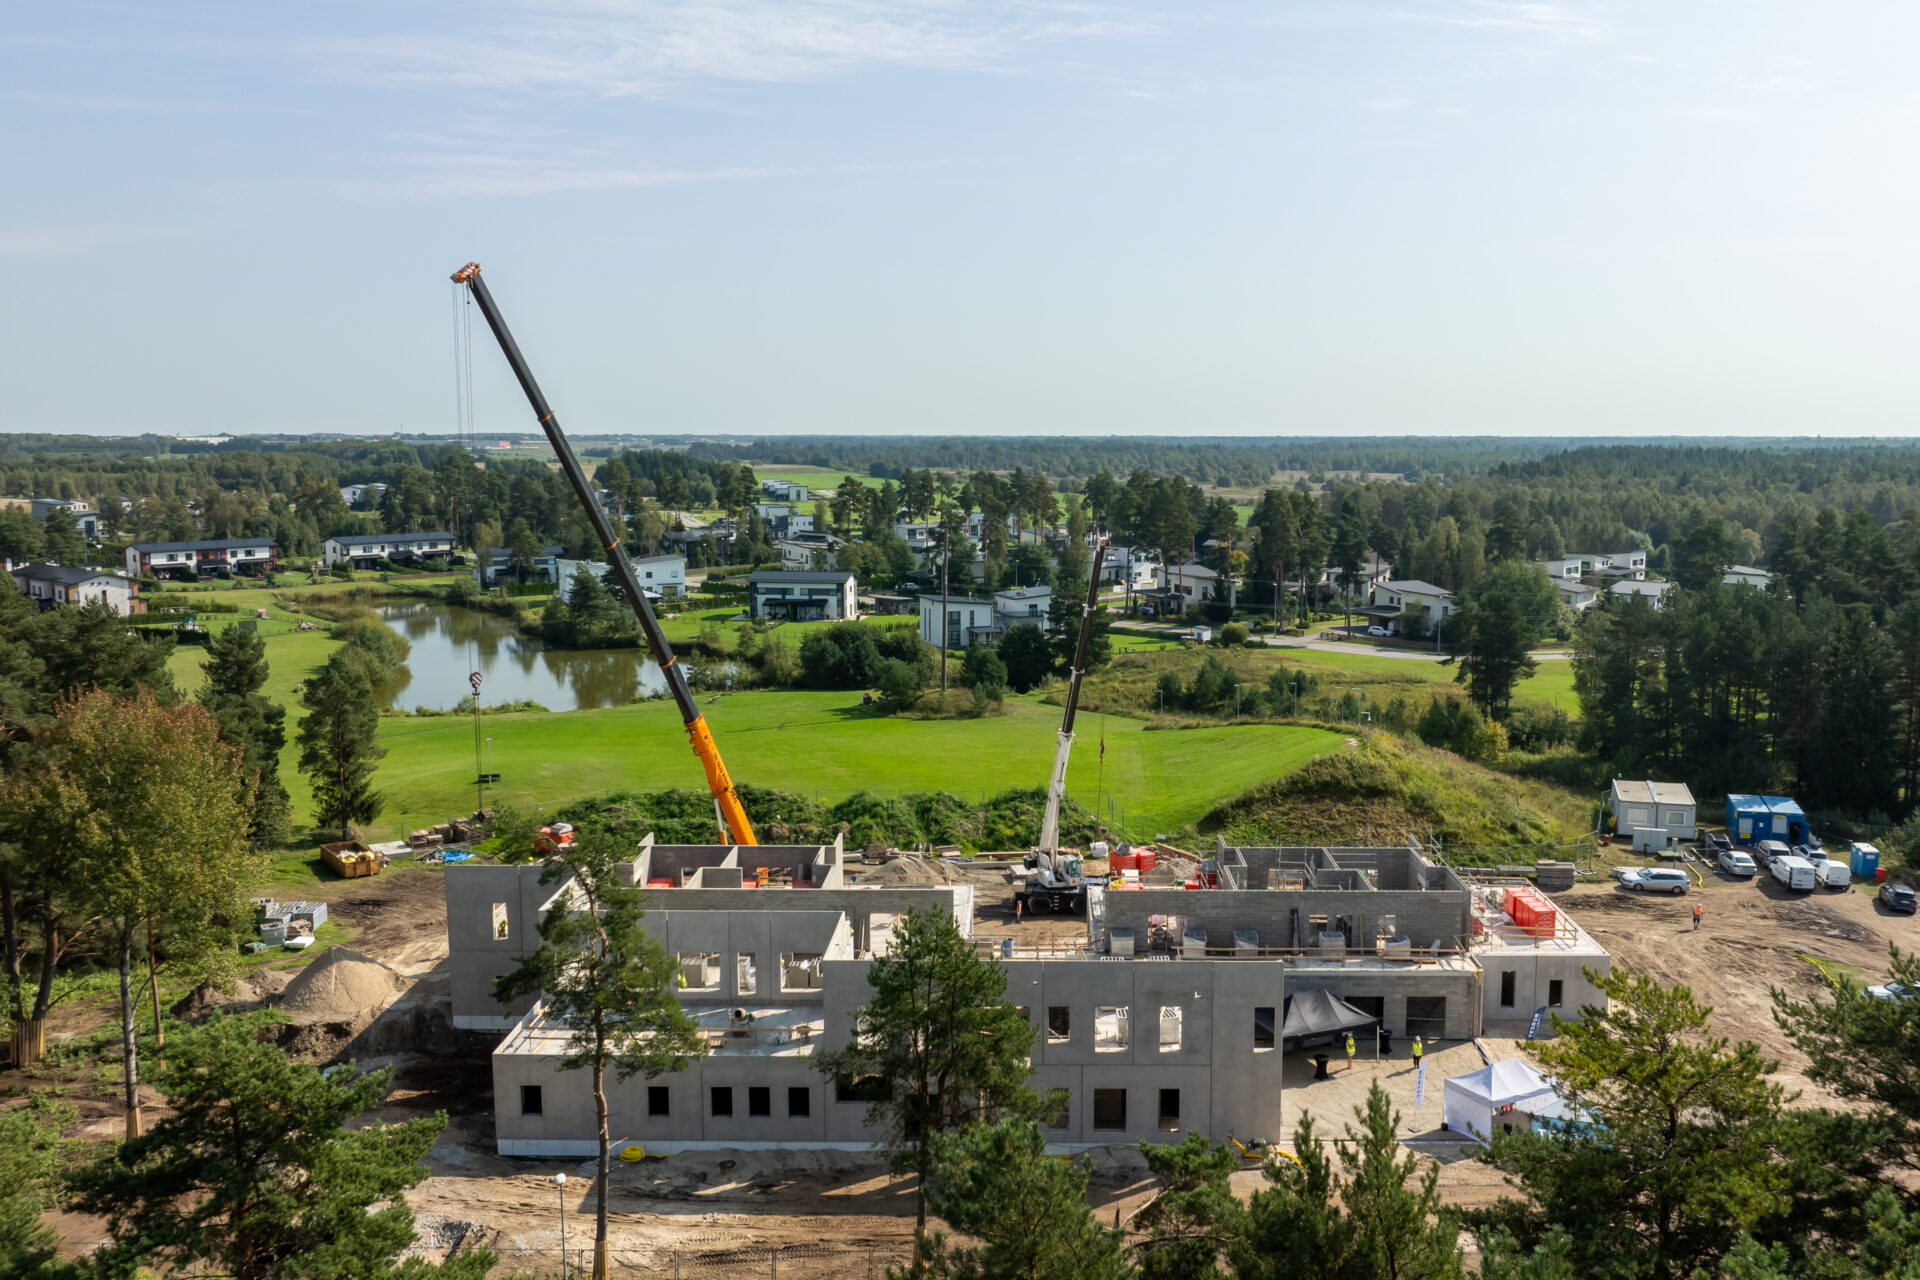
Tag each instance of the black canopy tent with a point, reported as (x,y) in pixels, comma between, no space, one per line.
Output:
(1317,1017)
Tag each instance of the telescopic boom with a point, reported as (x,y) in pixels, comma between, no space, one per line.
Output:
(724,795)
(1057,784)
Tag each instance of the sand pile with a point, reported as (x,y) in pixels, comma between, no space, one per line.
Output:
(341,986)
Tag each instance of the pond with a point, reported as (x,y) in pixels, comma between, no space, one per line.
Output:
(449,642)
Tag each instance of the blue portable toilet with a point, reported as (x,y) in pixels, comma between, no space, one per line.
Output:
(1748,819)
(1864,859)
(1789,820)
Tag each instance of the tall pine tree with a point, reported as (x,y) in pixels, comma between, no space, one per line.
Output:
(236,670)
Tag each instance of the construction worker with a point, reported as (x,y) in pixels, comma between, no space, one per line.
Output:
(1696,916)
(1351,1050)
(1418,1050)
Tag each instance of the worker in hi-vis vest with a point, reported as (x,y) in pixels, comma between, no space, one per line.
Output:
(1351,1050)
(1418,1050)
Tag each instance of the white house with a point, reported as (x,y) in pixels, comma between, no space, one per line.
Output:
(1565,568)
(1017,606)
(1747,575)
(178,559)
(363,551)
(1392,598)
(802,597)
(1576,594)
(500,569)
(362,495)
(1653,592)
(1193,581)
(84,516)
(808,551)
(1623,564)
(1653,815)
(664,575)
(50,586)
(1129,568)
(785,491)
(968,618)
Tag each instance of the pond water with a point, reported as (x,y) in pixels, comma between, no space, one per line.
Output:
(449,642)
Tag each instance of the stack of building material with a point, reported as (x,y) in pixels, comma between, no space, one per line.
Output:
(1553,877)
(1532,914)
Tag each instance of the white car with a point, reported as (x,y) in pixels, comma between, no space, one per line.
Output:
(1657,880)
(1378,631)
(1736,863)
(1892,991)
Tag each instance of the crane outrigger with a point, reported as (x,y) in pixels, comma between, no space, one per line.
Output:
(725,798)
(1057,881)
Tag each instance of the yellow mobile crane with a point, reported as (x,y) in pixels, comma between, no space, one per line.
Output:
(725,798)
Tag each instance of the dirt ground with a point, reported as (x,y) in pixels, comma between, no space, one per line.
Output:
(712,1205)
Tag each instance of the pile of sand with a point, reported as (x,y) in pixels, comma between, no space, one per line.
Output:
(341,986)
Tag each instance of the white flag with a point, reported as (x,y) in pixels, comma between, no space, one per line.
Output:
(1420,1085)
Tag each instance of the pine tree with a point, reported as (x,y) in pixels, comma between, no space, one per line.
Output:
(996,1184)
(236,671)
(610,983)
(338,743)
(257,1174)
(942,1047)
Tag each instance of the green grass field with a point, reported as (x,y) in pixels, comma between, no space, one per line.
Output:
(815,478)
(824,741)
(1552,681)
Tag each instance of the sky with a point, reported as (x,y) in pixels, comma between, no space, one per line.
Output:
(787,216)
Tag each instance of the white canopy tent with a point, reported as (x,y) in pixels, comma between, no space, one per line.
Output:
(1470,1102)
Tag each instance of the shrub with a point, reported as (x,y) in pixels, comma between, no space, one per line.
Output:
(899,682)
(1233,634)
(842,656)
(1027,656)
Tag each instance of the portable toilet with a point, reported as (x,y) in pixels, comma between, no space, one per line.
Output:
(1748,819)
(1863,858)
(1789,820)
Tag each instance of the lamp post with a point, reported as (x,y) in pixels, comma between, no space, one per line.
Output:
(560,1184)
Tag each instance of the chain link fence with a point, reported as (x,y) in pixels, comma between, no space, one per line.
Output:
(797,1262)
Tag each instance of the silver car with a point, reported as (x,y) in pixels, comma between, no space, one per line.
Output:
(1735,862)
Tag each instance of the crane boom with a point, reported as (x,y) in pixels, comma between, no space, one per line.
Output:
(718,781)
(1057,784)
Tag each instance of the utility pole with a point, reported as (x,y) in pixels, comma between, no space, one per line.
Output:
(946,552)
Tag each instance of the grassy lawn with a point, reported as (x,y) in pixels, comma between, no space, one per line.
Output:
(1552,681)
(815,741)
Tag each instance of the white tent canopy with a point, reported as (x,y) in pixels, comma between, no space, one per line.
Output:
(1470,1101)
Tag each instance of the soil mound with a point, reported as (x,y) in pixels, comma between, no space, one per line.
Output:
(341,986)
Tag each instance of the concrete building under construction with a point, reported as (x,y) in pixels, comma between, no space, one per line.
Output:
(1166,1015)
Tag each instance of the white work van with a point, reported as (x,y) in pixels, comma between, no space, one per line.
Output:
(1832,873)
(1795,873)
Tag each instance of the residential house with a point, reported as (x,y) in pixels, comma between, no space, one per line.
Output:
(891,604)
(662,575)
(1653,592)
(364,551)
(1022,606)
(809,551)
(802,596)
(922,538)
(247,556)
(1176,587)
(784,520)
(362,497)
(84,516)
(53,586)
(1747,575)
(969,620)
(500,568)
(1129,568)
(1653,815)
(786,491)
(1565,568)
(1388,602)
(1576,595)
(1622,564)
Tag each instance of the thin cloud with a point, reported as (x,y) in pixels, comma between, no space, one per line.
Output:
(642,49)
(1552,21)
(1724,115)
(120,103)
(49,242)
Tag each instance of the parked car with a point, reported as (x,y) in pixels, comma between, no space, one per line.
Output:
(1657,880)
(1794,873)
(1897,897)
(1736,863)
(1892,991)
(1378,631)
(1766,851)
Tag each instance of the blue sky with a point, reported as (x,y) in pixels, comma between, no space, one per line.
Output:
(836,216)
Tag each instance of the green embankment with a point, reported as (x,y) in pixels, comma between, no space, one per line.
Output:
(1390,789)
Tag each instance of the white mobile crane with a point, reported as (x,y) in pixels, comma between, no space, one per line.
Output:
(1055,881)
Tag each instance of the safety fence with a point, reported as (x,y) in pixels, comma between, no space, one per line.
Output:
(798,1262)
